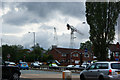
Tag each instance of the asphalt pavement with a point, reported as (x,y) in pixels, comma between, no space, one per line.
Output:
(44,75)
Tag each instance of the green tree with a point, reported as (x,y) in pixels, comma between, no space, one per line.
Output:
(102,16)
(47,57)
(38,52)
(87,44)
(15,52)
(50,57)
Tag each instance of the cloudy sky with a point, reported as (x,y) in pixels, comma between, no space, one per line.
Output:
(41,17)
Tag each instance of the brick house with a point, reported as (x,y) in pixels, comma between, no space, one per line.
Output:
(68,56)
(114,49)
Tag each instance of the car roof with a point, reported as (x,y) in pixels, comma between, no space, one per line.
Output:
(9,62)
(23,62)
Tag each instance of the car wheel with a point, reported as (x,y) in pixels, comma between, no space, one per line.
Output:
(82,77)
(15,76)
(101,78)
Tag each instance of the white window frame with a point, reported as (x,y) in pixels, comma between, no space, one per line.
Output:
(75,55)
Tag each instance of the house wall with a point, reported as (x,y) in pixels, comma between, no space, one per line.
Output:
(69,58)
(55,54)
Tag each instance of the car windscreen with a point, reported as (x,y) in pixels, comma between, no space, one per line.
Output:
(115,65)
(24,63)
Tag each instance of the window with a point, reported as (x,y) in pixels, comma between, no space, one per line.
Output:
(116,54)
(62,61)
(102,66)
(75,55)
(77,61)
(64,55)
(72,60)
(86,55)
(92,66)
(115,65)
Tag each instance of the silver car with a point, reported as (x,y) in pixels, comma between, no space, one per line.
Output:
(101,71)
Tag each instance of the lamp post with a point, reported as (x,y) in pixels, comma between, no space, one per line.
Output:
(81,61)
(33,42)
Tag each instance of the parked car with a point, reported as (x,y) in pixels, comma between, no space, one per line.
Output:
(70,66)
(54,65)
(10,72)
(23,65)
(53,61)
(85,65)
(10,63)
(77,66)
(102,71)
(35,65)
(57,63)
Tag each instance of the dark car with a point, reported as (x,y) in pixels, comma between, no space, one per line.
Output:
(10,72)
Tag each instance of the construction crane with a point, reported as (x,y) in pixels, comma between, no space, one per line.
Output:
(73,29)
(55,37)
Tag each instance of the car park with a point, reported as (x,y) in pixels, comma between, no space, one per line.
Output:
(23,65)
(101,71)
(10,72)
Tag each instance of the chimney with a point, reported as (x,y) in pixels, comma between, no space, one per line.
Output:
(54,46)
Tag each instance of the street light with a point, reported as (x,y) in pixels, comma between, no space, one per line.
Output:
(34,43)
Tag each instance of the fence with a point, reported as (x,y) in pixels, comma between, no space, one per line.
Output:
(59,68)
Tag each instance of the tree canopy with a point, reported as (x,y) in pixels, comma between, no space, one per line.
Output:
(102,18)
(17,52)
(87,44)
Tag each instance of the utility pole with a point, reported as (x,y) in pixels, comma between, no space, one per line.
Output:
(33,43)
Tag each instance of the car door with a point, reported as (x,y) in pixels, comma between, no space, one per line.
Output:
(102,68)
(6,73)
(90,72)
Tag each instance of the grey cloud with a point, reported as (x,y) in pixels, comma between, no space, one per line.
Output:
(75,9)
(32,12)
(83,28)
(14,18)
(42,37)
(17,18)
(38,13)
(6,28)
(46,27)
(11,40)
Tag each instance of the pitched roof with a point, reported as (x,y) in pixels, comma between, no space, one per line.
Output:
(68,50)
(114,48)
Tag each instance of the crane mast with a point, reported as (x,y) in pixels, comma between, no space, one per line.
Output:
(55,37)
(73,29)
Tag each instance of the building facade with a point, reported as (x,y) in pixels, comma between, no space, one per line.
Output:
(67,56)
(114,49)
